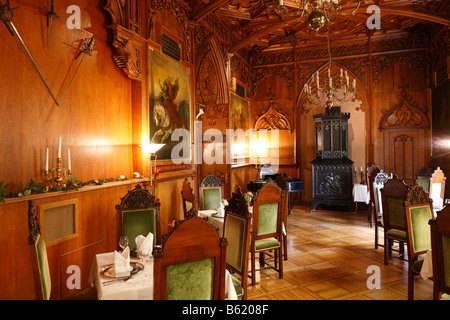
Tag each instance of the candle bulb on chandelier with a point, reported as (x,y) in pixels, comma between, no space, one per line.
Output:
(68,155)
(354,83)
(341,72)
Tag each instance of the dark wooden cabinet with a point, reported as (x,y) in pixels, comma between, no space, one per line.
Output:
(332,176)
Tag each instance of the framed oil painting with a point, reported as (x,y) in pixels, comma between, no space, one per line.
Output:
(239,120)
(239,112)
(170,108)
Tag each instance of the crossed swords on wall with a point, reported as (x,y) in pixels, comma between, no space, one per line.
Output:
(87,46)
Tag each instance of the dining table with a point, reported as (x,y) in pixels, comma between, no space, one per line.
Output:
(139,286)
(360,194)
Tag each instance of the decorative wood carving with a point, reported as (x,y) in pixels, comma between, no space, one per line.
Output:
(417,195)
(211,180)
(425,171)
(237,204)
(138,198)
(406,113)
(272,119)
(283,72)
(381,178)
(128,52)
(182,16)
(34,228)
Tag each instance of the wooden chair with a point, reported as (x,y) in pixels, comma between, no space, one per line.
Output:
(281,182)
(138,214)
(393,196)
(211,192)
(237,226)
(41,267)
(188,197)
(440,247)
(423,177)
(371,174)
(267,228)
(437,189)
(418,212)
(190,263)
(378,183)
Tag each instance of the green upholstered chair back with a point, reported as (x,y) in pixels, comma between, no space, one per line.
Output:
(424,182)
(211,192)
(396,211)
(446,259)
(211,198)
(268,218)
(191,280)
(138,222)
(190,263)
(393,196)
(420,234)
(138,214)
(440,244)
(44,269)
(236,233)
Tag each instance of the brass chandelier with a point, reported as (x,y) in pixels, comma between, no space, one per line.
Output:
(328,91)
(316,12)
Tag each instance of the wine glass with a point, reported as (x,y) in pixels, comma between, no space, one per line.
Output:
(123,242)
(144,255)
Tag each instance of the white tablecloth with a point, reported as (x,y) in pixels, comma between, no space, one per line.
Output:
(139,287)
(427,267)
(361,193)
(214,220)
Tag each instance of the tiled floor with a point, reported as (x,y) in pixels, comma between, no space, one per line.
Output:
(329,253)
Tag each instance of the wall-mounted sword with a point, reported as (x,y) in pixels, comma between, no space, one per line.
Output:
(50,14)
(6,15)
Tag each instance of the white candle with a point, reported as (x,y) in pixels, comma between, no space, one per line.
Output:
(361,169)
(46,161)
(354,83)
(59,150)
(68,154)
(341,72)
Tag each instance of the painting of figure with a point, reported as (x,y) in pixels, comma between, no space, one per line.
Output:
(169,101)
(239,113)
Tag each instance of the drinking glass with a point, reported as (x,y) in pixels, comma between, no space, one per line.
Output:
(123,242)
(144,255)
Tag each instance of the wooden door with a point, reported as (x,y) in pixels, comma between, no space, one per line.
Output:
(404,152)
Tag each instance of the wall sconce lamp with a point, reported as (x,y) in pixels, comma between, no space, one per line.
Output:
(152,148)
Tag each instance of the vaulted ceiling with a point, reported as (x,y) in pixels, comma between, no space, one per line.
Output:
(255,27)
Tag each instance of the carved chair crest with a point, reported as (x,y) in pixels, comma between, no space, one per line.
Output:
(138,198)
(237,204)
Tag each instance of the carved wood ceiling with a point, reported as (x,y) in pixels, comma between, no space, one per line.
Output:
(254,27)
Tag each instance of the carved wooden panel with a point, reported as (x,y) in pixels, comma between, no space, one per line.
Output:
(406,113)
(272,119)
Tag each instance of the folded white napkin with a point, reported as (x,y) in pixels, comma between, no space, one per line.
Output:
(145,243)
(122,266)
(221,209)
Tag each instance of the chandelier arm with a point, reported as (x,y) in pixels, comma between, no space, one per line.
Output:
(326,14)
(350,13)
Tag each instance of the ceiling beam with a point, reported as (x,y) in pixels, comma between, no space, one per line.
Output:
(204,11)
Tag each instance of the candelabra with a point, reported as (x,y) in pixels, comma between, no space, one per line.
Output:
(59,173)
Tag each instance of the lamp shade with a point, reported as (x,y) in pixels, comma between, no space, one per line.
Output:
(151,147)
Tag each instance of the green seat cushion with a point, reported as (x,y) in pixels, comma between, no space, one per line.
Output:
(192,280)
(234,233)
(396,211)
(138,222)
(268,218)
(44,269)
(396,234)
(420,230)
(266,244)
(237,286)
(212,198)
